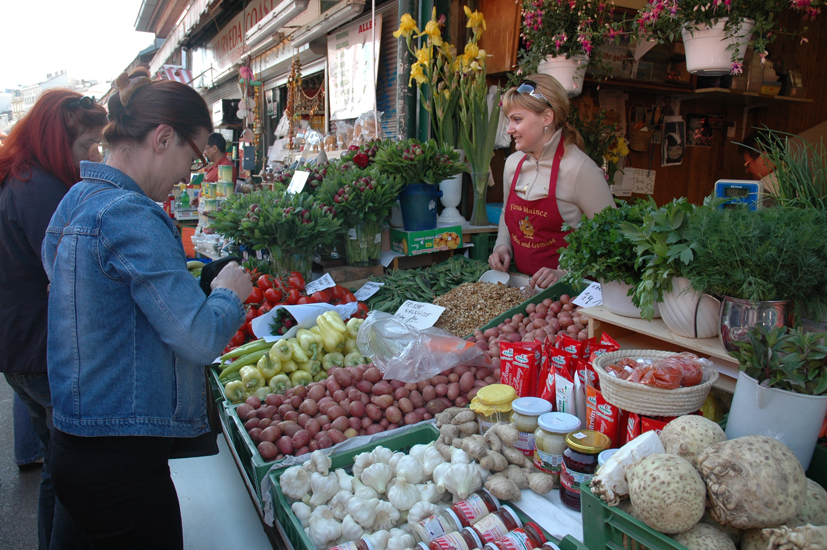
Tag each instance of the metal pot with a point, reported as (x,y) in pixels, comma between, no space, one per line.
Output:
(739,317)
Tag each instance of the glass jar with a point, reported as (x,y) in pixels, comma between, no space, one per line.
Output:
(604,456)
(436,526)
(580,463)
(466,539)
(524,538)
(478,505)
(493,405)
(496,524)
(550,441)
(356,545)
(525,413)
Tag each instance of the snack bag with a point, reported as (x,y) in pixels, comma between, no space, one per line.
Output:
(602,416)
(571,345)
(561,363)
(545,387)
(519,365)
(632,426)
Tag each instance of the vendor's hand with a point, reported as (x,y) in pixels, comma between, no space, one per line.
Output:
(235,278)
(499,260)
(544,277)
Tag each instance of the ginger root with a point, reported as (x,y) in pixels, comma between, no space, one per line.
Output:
(474,447)
(463,417)
(493,441)
(515,456)
(494,461)
(447,433)
(517,475)
(808,537)
(507,433)
(540,483)
(502,487)
(468,428)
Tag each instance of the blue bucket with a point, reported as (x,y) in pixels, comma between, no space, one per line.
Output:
(418,201)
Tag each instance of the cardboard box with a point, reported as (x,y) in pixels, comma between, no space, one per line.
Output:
(412,243)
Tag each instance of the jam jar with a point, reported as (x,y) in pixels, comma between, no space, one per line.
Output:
(435,526)
(493,405)
(466,539)
(550,442)
(524,538)
(525,413)
(472,509)
(496,524)
(580,463)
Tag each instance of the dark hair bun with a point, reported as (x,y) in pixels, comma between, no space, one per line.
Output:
(140,71)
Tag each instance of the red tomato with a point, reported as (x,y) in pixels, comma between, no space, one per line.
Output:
(296,280)
(252,313)
(255,297)
(362,307)
(348,297)
(321,296)
(272,296)
(337,292)
(264,282)
(264,309)
(307,300)
(248,328)
(238,339)
(293,296)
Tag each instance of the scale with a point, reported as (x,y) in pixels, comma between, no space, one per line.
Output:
(749,192)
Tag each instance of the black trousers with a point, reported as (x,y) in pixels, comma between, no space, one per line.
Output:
(118,490)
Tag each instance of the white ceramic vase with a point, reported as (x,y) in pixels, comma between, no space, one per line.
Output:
(794,419)
(451,197)
(709,49)
(568,72)
(616,300)
(687,314)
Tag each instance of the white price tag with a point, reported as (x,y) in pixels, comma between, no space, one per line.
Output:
(368,289)
(323,282)
(351,233)
(258,255)
(590,297)
(579,435)
(298,181)
(419,314)
(377,239)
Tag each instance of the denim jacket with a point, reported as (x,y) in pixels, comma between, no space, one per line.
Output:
(129,327)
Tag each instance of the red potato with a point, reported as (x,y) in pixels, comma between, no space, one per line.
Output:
(405,405)
(323,419)
(339,396)
(497,373)
(410,387)
(291,415)
(583,335)
(363,432)
(284,409)
(393,414)
(340,424)
(357,409)
(309,406)
(365,399)
(264,423)
(335,412)
(461,401)
(325,399)
(263,412)
(324,408)
(254,434)
(429,393)
(326,427)
(413,418)
(514,337)
(343,378)
(300,392)
(319,436)
(333,386)
(366,421)
(356,373)
(303,451)
(244,410)
(508,329)
(462,369)
(274,399)
(325,442)
(253,401)
(374,429)
(382,401)
(491,332)
(267,450)
(454,377)
(296,401)
(555,308)
(466,382)
(316,392)
(335,435)
(252,423)
(313,446)
(364,386)
(447,402)
(382,388)
(354,395)
(399,393)
(271,434)
(441,390)
(396,384)
(313,427)
(351,432)
(482,372)
(289,428)
(565,322)
(301,438)
(472,393)
(572,329)
(479,383)
(421,410)
(494,349)
(541,308)
(489,380)
(373,375)
(435,406)
(565,298)
(373,412)
(453,391)
(303,418)
(416,399)
(427,416)
(354,423)
(392,427)
(530,308)
(518,318)
(384,423)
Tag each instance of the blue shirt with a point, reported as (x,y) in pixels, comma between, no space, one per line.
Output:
(129,327)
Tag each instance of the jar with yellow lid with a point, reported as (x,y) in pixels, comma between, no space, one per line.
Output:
(580,463)
(493,405)
(524,416)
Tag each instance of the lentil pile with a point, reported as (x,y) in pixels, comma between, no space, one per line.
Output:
(472,305)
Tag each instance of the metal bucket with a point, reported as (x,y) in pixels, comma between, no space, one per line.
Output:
(739,317)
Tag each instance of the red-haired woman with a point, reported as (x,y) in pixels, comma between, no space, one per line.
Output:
(39,162)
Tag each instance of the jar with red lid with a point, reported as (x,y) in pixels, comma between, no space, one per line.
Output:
(466,539)
(436,526)
(526,537)
(496,524)
(478,505)
(580,463)
(354,545)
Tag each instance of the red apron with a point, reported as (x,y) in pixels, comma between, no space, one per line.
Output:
(536,226)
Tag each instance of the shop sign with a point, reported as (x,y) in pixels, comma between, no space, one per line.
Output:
(352,87)
(229,46)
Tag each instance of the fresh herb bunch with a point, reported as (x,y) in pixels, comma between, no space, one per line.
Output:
(234,218)
(564,28)
(767,254)
(599,249)
(360,195)
(793,360)
(417,162)
(663,20)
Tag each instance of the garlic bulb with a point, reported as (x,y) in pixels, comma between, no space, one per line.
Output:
(323,488)
(381,454)
(400,542)
(351,530)
(302,512)
(338,504)
(458,456)
(428,492)
(319,462)
(439,476)
(430,460)
(418,451)
(379,539)
(402,494)
(363,491)
(345,481)
(410,469)
(377,476)
(323,530)
(394,461)
(386,516)
(420,511)
(295,482)
(462,479)
(360,462)
(363,511)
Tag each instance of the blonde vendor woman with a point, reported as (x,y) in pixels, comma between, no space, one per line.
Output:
(548,181)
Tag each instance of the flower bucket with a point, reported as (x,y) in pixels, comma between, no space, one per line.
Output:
(709,49)
(687,314)
(364,244)
(794,419)
(568,72)
(616,300)
(418,202)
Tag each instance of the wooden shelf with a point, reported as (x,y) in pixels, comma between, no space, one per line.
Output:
(640,85)
(688,93)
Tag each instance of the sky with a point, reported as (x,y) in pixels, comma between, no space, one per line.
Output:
(90,39)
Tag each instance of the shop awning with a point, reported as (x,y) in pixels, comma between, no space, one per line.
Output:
(176,73)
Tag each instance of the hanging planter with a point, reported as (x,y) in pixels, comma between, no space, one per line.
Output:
(709,48)
(570,72)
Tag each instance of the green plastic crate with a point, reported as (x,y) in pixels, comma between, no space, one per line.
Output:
(422,434)
(608,527)
(554,292)
(254,466)
(483,246)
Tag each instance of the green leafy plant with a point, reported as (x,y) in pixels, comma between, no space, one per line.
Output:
(793,360)
(600,250)
(416,162)
(767,254)
(360,195)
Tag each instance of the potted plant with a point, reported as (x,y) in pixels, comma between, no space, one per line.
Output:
(599,250)
(363,198)
(663,254)
(782,388)
(767,265)
(560,36)
(717,33)
(601,142)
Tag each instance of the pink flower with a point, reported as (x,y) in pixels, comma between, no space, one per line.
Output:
(737,68)
(804,41)
(763,57)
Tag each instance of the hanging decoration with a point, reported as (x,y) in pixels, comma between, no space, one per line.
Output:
(294,82)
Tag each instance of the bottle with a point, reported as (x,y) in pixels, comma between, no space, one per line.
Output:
(525,413)
(185,198)
(524,538)
(361,544)
(496,524)
(436,526)
(472,509)
(580,463)
(466,539)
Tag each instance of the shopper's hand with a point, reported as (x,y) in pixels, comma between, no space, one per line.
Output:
(544,277)
(235,278)
(499,260)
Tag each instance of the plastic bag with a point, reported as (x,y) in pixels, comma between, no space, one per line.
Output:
(283,126)
(312,141)
(666,376)
(409,355)
(344,135)
(366,129)
(690,367)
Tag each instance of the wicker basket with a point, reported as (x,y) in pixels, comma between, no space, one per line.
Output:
(648,400)
(639,140)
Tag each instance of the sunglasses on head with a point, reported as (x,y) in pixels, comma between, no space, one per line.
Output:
(529,87)
(85,102)
(200,162)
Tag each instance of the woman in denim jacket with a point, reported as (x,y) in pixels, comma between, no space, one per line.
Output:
(129,327)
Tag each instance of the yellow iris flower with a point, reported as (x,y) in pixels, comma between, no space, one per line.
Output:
(432,30)
(423,55)
(471,53)
(407,26)
(418,74)
(476,21)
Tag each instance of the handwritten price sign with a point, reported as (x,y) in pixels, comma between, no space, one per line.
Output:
(591,297)
(419,314)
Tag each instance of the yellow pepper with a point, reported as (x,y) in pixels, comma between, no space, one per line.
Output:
(353,325)
(335,320)
(331,338)
(334,359)
(262,392)
(289,366)
(252,378)
(350,346)
(268,367)
(312,366)
(321,376)
(309,342)
(235,391)
(281,350)
(299,356)
(280,383)
(353,359)
(301,377)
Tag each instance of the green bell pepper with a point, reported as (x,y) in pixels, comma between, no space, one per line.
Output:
(301,377)
(235,391)
(280,383)
(334,359)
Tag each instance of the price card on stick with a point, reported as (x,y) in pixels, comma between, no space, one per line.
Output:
(323,282)
(591,297)
(419,314)
(368,289)
(298,181)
